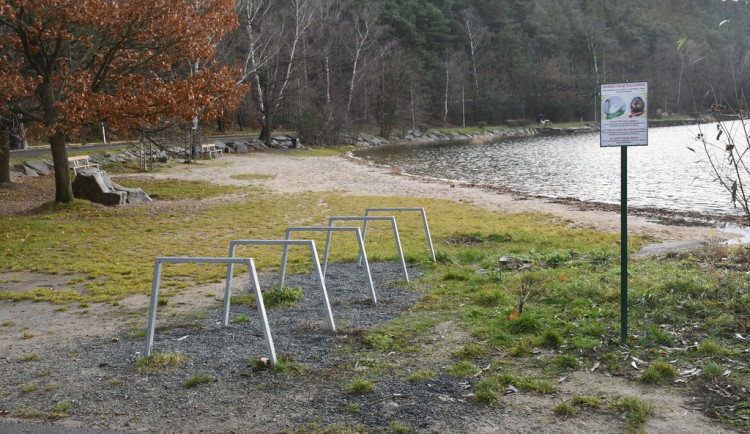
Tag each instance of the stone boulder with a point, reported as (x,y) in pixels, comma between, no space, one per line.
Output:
(95,185)
(39,167)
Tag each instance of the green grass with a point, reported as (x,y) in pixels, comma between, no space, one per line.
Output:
(360,387)
(587,401)
(29,388)
(284,365)
(252,176)
(659,372)
(60,410)
(565,410)
(463,369)
(712,371)
(711,347)
(552,339)
(471,351)
(421,375)
(159,362)
(635,409)
(107,231)
(398,427)
(197,380)
(285,296)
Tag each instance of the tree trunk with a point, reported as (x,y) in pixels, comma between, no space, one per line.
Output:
(265,130)
(445,99)
(4,157)
(17,134)
(240,120)
(63,187)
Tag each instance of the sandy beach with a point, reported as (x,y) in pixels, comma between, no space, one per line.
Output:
(349,175)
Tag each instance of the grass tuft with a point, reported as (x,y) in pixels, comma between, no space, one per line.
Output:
(711,347)
(421,375)
(659,373)
(551,339)
(285,296)
(712,370)
(463,369)
(587,401)
(60,410)
(197,380)
(159,362)
(360,387)
(637,410)
(565,410)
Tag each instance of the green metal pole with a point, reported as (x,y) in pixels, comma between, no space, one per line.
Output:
(624,245)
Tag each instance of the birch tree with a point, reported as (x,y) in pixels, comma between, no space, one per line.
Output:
(365,32)
(478,35)
(273,49)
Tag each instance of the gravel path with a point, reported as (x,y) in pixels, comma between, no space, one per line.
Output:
(99,379)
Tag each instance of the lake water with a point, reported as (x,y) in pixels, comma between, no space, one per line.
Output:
(665,174)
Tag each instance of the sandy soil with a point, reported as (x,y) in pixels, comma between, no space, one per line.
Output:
(53,333)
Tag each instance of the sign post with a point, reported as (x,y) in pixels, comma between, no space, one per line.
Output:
(624,122)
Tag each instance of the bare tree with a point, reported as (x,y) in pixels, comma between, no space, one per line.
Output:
(273,50)
(364,21)
(394,99)
(478,35)
(726,150)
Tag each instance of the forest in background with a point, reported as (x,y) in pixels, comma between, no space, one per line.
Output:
(327,67)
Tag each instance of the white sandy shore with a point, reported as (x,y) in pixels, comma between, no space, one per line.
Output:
(340,174)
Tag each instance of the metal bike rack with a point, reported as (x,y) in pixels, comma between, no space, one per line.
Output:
(286,243)
(366,219)
(227,295)
(424,221)
(360,241)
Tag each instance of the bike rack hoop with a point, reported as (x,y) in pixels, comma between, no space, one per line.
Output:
(365,219)
(158,265)
(328,230)
(405,209)
(286,243)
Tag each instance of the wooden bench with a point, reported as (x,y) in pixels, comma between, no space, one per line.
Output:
(210,151)
(80,162)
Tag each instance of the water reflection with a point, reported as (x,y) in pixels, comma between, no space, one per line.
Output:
(665,174)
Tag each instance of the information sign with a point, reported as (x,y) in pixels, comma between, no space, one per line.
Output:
(624,114)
